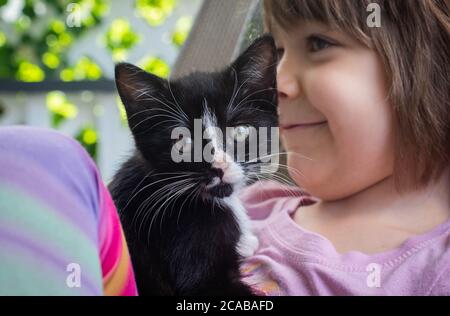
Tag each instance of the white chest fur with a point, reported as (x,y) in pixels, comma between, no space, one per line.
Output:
(248,242)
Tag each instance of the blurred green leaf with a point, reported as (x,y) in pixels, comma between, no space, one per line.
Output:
(57,102)
(57,26)
(51,60)
(181,31)
(155,12)
(84,69)
(155,65)
(29,72)
(23,23)
(122,111)
(2,39)
(120,38)
(60,108)
(88,138)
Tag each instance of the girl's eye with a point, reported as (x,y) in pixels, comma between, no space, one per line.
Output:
(184,145)
(316,43)
(240,133)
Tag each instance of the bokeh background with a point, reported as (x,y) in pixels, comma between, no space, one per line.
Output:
(57,61)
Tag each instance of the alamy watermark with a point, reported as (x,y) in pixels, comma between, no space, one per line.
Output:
(74,15)
(373,279)
(74,277)
(374,18)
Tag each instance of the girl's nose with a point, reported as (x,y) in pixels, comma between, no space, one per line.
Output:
(287,83)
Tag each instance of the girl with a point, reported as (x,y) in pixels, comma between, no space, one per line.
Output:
(364,116)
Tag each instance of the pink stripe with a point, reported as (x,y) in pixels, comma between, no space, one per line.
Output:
(130,288)
(111,247)
(110,238)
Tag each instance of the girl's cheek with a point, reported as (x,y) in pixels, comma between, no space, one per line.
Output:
(331,93)
(349,93)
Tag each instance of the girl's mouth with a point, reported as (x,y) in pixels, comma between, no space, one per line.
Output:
(301,125)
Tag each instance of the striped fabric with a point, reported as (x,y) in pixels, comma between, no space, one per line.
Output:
(59,229)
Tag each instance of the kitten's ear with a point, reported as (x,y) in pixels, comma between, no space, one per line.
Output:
(136,86)
(257,65)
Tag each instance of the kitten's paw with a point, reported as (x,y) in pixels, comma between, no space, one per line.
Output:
(247,246)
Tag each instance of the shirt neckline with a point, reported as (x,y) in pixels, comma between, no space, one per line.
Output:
(308,245)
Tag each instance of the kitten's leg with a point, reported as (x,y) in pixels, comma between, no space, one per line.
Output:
(248,242)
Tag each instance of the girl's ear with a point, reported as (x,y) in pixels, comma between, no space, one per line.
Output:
(137,88)
(257,65)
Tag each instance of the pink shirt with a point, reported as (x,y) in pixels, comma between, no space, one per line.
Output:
(294,261)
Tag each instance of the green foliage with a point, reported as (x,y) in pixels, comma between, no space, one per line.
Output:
(122,111)
(60,108)
(35,46)
(155,12)
(35,49)
(88,138)
(39,49)
(84,69)
(120,38)
(155,65)
(29,72)
(181,31)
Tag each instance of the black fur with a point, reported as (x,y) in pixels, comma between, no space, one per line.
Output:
(190,246)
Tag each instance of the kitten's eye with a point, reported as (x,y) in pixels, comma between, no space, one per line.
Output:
(184,145)
(240,133)
(316,43)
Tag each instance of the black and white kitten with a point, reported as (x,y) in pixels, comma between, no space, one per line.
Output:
(186,229)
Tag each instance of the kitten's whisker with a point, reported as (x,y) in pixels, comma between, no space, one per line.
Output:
(165,191)
(239,111)
(259,100)
(235,95)
(253,93)
(278,153)
(144,91)
(177,195)
(173,115)
(236,92)
(150,184)
(154,194)
(182,205)
(179,107)
(288,186)
(169,128)
(134,190)
(279,166)
(149,118)
(165,200)
(152,98)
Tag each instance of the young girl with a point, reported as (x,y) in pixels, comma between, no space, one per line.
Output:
(364,116)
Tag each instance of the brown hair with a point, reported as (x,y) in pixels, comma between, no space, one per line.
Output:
(414,44)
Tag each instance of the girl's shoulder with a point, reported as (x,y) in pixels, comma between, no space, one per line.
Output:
(263,198)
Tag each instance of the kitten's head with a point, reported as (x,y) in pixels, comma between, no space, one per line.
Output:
(203,131)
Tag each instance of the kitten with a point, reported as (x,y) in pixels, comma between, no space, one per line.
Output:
(186,229)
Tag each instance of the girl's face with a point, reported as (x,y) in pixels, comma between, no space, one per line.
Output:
(325,76)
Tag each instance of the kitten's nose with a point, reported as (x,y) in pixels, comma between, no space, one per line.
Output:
(220,161)
(216,172)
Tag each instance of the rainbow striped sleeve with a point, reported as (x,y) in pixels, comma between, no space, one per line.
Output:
(118,276)
(59,230)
